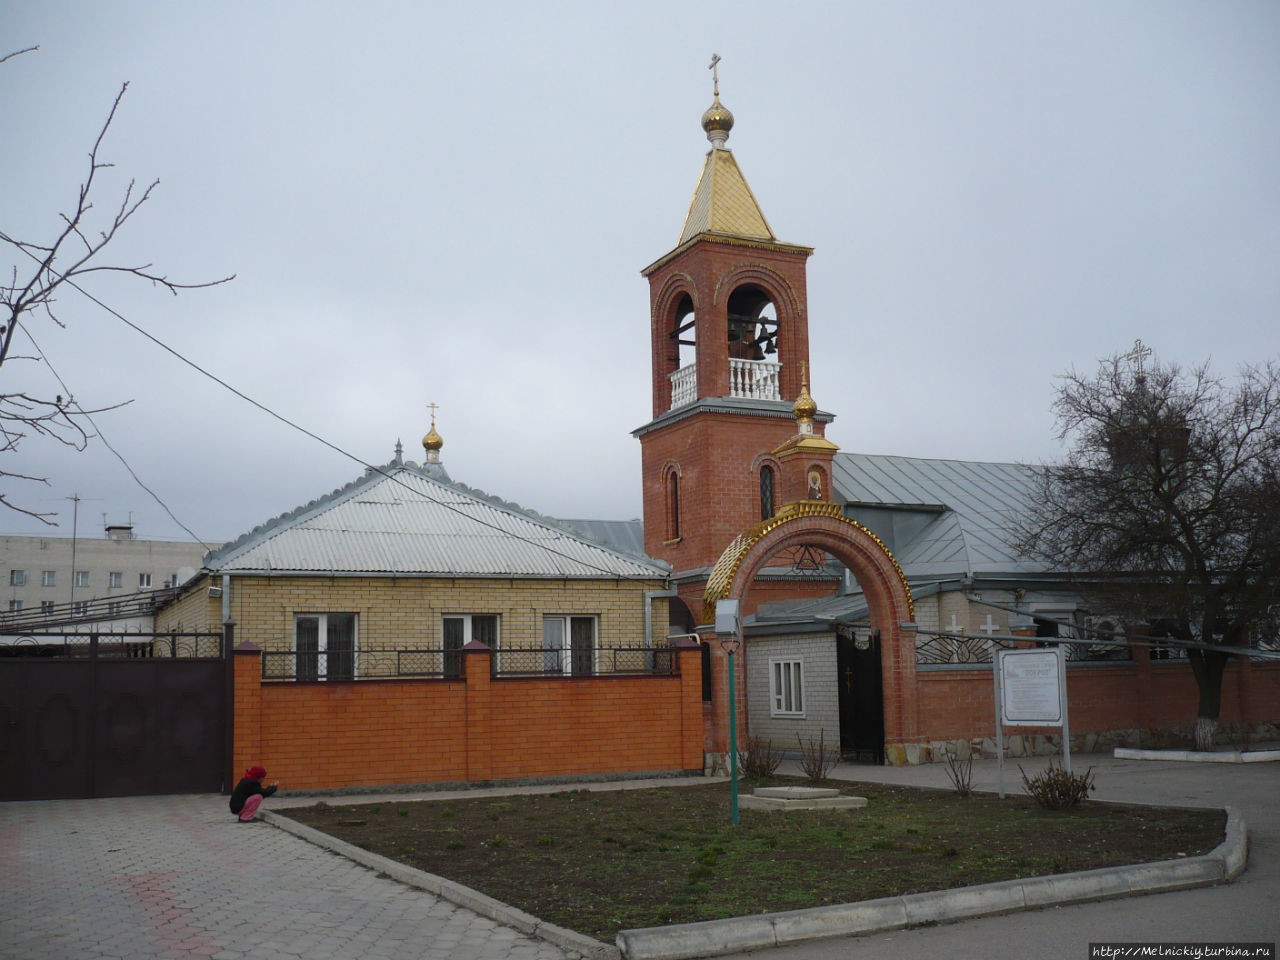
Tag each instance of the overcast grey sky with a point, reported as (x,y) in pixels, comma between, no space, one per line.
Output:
(451,203)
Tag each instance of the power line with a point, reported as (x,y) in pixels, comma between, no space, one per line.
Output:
(612,574)
(107,443)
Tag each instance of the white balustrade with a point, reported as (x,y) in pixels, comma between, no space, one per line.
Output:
(754,379)
(748,379)
(684,386)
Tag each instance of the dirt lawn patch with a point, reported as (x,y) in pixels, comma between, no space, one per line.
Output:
(600,862)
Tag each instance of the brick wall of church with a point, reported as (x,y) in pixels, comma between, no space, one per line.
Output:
(959,703)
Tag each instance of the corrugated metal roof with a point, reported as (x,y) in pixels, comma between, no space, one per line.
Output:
(626,536)
(981,506)
(401,520)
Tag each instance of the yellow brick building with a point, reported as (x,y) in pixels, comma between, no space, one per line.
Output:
(393,573)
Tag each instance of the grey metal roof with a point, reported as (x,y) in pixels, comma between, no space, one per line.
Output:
(981,504)
(626,536)
(409,520)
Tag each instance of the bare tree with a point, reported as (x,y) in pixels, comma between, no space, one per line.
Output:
(40,271)
(1167,506)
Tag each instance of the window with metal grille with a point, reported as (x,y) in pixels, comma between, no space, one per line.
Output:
(569,645)
(326,646)
(459,629)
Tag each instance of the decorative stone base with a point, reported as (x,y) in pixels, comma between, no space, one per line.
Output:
(1018,746)
(799,798)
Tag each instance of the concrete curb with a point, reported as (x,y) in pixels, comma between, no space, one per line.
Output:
(713,937)
(1198,756)
(455,893)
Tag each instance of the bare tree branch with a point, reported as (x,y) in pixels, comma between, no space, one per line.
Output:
(31,290)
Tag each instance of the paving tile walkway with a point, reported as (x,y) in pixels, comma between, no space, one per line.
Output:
(178,877)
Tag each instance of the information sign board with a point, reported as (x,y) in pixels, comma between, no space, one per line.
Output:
(1031,685)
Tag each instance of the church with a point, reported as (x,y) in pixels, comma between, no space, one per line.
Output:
(875,589)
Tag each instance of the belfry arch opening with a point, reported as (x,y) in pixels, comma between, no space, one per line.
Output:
(752,333)
(684,334)
(753,324)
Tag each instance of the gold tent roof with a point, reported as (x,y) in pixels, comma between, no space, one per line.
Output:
(723,203)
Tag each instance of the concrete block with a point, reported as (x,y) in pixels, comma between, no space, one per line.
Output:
(753,802)
(895,755)
(844,920)
(977,901)
(795,793)
(709,938)
(1234,849)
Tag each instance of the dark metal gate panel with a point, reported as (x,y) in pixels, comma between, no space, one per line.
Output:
(45,712)
(861,698)
(111,726)
(159,728)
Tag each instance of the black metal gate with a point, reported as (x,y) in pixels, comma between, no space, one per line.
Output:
(861,697)
(110,715)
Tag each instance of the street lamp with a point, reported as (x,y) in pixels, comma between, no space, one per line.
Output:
(729,629)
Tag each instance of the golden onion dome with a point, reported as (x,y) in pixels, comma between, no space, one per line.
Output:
(717,120)
(805,406)
(432,442)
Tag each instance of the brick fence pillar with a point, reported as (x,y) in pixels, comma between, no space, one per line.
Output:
(479,660)
(246,709)
(690,666)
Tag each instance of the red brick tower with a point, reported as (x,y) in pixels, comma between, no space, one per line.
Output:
(730,348)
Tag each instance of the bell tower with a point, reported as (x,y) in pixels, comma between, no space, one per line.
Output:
(729,341)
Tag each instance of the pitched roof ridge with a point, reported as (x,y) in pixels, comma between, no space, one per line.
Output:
(263,531)
(387,473)
(855,455)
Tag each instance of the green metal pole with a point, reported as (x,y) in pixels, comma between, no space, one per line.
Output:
(733,745)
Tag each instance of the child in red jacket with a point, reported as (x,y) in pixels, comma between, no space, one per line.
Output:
(249,793)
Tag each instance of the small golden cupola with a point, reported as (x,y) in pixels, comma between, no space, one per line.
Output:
(805,406)
(806,458)
(432,442)
(717,121)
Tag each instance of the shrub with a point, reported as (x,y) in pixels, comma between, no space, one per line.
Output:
(816,760)
(960,773)
(758,760)
(1057,789)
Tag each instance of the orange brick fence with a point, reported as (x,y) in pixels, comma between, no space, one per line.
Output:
(474,728)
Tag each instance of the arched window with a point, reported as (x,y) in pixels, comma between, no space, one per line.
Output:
(673,505)
(766,492)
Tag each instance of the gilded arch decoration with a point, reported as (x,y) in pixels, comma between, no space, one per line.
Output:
(720,582)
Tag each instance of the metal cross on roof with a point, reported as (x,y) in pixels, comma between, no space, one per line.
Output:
(715,74)
(1137,355)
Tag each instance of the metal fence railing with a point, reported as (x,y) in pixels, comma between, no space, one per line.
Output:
(586,662)
(363,664)
(947,648)
(69,645)
(387,664)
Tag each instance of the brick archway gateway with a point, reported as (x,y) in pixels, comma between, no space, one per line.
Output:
(822,525)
